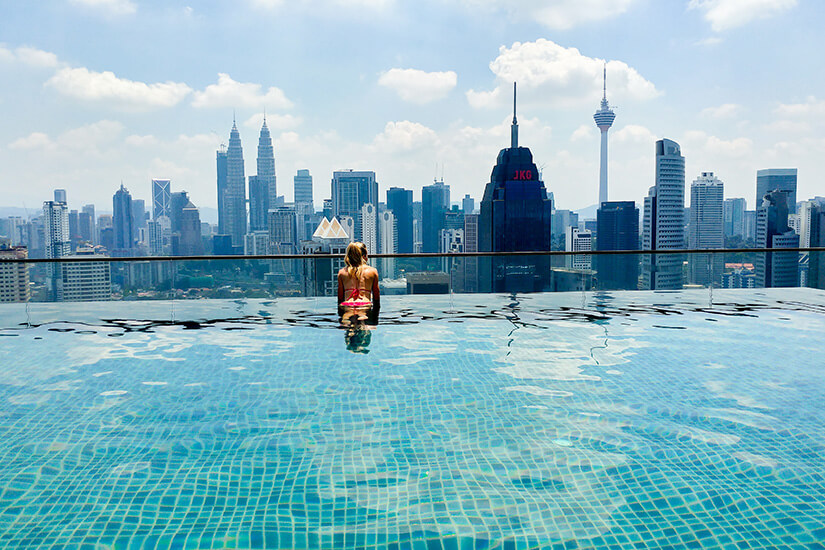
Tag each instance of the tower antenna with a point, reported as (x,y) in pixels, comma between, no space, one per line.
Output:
(514,127)
(604,96)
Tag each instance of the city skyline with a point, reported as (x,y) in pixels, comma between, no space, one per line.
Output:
(399,113)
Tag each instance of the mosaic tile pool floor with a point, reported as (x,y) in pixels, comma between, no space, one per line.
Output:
(630,420)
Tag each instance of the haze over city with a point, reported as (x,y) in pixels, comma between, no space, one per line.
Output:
(121,90)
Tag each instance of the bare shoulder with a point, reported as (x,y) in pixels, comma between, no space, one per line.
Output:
(343,272)
(372,272)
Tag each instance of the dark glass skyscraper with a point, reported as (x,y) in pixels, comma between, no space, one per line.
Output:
(435,201)
(515,216)
(400,201)
(776,269)
(122,222)
(777,179)
(617,227)
(350,191)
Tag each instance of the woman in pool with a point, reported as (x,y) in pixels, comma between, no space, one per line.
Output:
(358,295)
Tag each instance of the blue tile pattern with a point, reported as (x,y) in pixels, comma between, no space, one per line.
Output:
(519,424)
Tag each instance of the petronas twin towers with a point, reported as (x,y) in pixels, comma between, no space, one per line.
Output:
(232,214)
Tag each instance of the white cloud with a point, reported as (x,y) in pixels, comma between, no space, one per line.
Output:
(108,7)
(35,140)
(321,7)
(418,86)
(230,93)
(81,83)
(549,73)
(273,121)
(709,41)
(635,134)
(141,141)
(556,14)
(698,141)
(405,136)
(728,14)
(584,132)
(29,56)
(727,110)
(811,107)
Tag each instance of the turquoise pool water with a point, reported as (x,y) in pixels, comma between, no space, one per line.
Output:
(546,421)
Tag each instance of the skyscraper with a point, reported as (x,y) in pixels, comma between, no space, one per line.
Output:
(138,218)
(578,240)
(604,118)
(735,217)
(266,166)
(189,241)
(775,269)
(56,241)
(14,278)
(400,202)
(388,243)
(177,202)
(617,224)
(777,179)
(282,231)
(86,221)
(258,204)
(351,190)
(515,216)
(60,196)
(468,205)
(707,194)
(161,191)
(664,220)
(369,227)
(302,190)
(816,262)
(234,201)
(435,201)
(221,165)
(122,223)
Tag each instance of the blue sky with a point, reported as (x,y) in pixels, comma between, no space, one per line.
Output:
(98,91)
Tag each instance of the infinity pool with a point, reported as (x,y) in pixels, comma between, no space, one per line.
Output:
(618,420)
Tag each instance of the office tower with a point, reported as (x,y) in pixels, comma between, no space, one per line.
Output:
(14,278)
(816,261)
(777,179)
(664,224)
(74,229)
(468,204)
(187,240)
(471,281)
(775,269)
(617,225)
(160,236)
(561,220)
(85,281)
(89,231)
(282,231)
(221,165)
(750,225)
(578,240)
(256,243)
(234,200)
(56,229)
(122,223)
(266,167)
(14,226)
(388,243)
(302,187)
(258,204)
(706,229)
(400,202)
(369,227)
(351,190)
(161,196)
(735,217)
(515,216)
(807,211)
(435,201)
(86,226)
(60,196)
(453,218)
(138,218)
(177,202)
(604,118)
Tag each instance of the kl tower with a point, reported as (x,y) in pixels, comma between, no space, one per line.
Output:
(604,118)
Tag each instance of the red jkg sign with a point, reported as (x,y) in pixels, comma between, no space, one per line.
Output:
(523,175)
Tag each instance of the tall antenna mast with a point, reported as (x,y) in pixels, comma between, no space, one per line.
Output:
(514,127)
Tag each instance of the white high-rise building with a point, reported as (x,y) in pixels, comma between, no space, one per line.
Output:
(369,227)
(604,118)
(160,236)
(14,277)
(578,240)
(664,220)
(56,229)
(256,243)
(707,229)
(805,222)
(85,281)
(388,242)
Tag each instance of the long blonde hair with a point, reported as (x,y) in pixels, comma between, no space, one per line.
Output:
(356,257)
